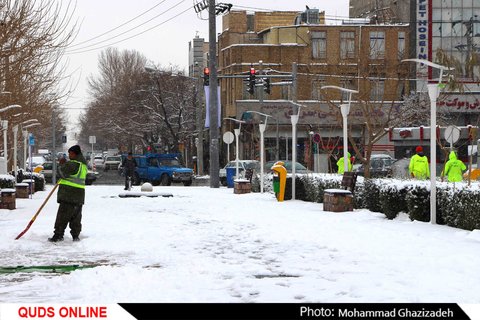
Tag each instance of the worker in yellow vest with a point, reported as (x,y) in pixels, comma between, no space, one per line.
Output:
(419,167)
(71,194)
(341,164)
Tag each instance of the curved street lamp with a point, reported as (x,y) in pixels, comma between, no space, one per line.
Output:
(237,134)
(25,137)
(15,133)
(10,107)
(262,127)
(433,92)
(345,109)
(5,127)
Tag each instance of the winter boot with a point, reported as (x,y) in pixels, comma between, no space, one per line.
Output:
(55,238)
(76,238)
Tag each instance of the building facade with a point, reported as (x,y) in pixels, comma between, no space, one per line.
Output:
(363,57)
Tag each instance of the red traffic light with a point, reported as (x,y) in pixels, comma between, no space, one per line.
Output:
(206,71)
(252,71)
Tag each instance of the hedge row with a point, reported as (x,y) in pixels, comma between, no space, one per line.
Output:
(457,204)
(7,181)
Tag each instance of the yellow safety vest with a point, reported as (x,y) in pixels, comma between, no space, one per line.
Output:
(76,180)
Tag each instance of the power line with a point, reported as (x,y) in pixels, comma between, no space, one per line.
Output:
(121,25)
(82,50)
(271,10)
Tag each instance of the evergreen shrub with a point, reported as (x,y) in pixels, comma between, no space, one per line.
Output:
(457,205)
(466,210)
(393,198)
(418,203)
(7,181)
(38,179)
(371,196)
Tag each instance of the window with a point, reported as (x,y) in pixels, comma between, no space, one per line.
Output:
(250,22)
(376,90)
(153,162)
(347,45)
(319,45)
(401,45)
(377,45)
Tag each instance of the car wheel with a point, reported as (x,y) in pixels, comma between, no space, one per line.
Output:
(165,180)
(187,183)
(223,182)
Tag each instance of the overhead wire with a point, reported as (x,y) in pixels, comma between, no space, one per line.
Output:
(85,49)
(119,26)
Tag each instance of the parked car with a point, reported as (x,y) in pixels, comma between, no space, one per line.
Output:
(98,161)
(242,166)
(35,161)
(112,162)
(299,168)
(47,172)
(380,166)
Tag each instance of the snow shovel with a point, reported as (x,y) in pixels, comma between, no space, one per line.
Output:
(36,214)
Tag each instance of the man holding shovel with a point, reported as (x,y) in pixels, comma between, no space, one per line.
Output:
(71,194)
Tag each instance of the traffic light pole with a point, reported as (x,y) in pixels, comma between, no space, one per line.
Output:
(199,124)
(213,112)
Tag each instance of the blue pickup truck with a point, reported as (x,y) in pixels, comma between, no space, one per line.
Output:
(161,169)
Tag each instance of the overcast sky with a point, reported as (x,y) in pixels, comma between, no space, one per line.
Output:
(172,24)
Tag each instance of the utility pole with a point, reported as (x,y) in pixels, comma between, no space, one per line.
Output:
(199,112)
(213,112)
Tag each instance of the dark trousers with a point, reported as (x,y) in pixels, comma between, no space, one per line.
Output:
(68,213)
(128,176)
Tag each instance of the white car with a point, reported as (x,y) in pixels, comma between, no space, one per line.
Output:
(98,162)
(112,162)
(242,166)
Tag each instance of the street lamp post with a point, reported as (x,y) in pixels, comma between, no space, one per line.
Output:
(294,120)
(15,137)
(262,127)
(433,92)
(5,127)
(237,134)
(345,110)
(25,139)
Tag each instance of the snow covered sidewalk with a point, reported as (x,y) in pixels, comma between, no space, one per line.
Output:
(210,245)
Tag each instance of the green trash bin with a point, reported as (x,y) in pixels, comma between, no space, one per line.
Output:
(276,184)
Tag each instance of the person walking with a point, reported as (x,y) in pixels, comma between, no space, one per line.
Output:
(129,164)
(341,164)
(71,194)
(418,166)
(454,168)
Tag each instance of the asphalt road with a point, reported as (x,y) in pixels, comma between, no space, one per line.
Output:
(112,177)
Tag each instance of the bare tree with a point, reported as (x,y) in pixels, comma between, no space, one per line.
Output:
(136,105)
(33,39)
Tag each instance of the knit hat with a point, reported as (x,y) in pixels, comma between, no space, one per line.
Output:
(419,149)
(75,149)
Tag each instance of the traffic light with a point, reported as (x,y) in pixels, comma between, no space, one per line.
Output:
(266,85)
(206,77)
(251,81)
